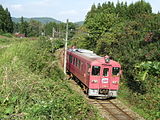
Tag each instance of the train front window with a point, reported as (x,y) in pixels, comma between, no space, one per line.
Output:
(96,70)
(115,70)
(105,71)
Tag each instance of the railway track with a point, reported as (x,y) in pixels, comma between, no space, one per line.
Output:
(113,111)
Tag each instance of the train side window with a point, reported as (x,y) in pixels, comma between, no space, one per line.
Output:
(96,70)
(76,61)
(70,58)
(88,68)
(79,64)
(105,71)
(115,70)
(81,68)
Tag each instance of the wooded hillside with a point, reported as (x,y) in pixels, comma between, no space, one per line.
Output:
(129,34)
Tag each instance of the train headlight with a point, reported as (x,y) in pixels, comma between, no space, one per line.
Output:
(107,60)
(114,82)
(94,81)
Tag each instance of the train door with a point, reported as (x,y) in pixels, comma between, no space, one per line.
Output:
(105,77)
(115,78)
(95,77)
(87,74)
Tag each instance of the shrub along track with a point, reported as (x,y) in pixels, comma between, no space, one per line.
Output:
(110,109)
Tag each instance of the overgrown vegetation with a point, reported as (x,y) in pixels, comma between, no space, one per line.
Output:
(33,87)
(130,34)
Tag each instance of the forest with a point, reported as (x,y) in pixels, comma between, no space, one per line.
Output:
(129,34)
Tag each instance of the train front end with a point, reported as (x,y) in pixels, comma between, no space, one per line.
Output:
(104,78)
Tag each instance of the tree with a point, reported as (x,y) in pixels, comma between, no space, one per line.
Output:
(6,24)
(2,18)
(49,28)
(98,25)
(71,29)
(35,28)
(24,27)
(16,27)
(104,43)
(108,8)
(140,7)
(80,38)
(121,9)
(91,13)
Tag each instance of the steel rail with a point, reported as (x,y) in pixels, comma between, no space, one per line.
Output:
(117,116)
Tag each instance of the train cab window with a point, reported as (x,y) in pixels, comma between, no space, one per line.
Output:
(115,70)
(105,71)
(70,58)
(96,70)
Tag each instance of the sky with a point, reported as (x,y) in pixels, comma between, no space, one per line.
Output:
(74,10)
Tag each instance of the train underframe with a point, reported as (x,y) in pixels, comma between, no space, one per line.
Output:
(106,93)
(102,93)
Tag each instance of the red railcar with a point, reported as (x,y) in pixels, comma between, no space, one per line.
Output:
(99,75)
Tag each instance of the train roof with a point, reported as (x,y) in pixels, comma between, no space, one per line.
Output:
(85,53)
(90,56)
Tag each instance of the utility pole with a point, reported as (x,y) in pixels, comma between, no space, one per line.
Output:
(65,49)
(52,39)
(53,31)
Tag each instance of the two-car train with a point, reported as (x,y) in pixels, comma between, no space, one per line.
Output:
(99,75)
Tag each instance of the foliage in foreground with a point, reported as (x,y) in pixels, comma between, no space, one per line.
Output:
(32,86)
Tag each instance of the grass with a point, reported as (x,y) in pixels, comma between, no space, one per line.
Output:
(32,87)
